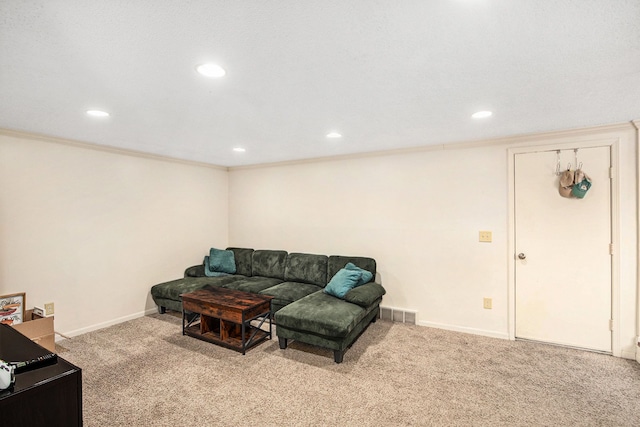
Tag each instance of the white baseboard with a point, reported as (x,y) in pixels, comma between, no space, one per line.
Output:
(474,331)
(625,354)
(112,322)
(628,354)
(631,352)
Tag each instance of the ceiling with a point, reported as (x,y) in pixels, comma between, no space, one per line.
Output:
(385,74)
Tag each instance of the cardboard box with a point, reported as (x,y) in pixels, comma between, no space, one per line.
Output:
(38,329)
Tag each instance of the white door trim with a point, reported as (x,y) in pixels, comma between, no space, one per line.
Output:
(579,141)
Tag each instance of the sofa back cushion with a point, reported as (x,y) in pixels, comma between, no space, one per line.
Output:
(306,268)
(338,262)
(243,257)
(268,263)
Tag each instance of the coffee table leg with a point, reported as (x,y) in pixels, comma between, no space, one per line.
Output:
(244,343)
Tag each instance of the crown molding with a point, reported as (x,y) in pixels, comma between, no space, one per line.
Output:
(459,145)
(103,148)
(509,141)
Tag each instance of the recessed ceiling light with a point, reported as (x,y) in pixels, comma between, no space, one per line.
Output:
(211,70)
(481,114)
(334,135)
(239,150)
(97,113)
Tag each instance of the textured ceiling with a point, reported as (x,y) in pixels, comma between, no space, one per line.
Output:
(384,73)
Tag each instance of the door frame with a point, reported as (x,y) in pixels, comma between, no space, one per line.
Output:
(569,143)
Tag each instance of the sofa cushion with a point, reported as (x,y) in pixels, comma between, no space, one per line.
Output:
(321,314)
(173,289)
(268,263)
(288,292)
(219,261)
(365,276)
(306,268)
(194,271)
(365,295)
(338,262)
(252,284)
(243,260)
(343,281)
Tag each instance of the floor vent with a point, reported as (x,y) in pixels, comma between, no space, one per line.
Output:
(398,315)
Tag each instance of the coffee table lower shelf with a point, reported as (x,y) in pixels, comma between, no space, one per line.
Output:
(227,317)
(235,336)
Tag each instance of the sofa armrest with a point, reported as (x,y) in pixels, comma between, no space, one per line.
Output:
(366,294)
(194,271)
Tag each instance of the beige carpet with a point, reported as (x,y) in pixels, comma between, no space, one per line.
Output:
(145,373)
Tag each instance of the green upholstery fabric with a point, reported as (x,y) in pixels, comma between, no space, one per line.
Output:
(252,284)
(287,292)
(306,268)
(194,271)
(219,261)
(365,295)
(243,260)
(173,289)
(268,263)
(321,314)
(168,303)
(214,273)
(343,282)
(276,305)
(333,343)
(337,262)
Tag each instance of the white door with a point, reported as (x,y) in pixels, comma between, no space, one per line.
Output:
(563,264)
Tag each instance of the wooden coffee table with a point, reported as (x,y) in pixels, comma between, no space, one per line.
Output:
(224,317)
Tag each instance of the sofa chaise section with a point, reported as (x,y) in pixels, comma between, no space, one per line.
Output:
(167,295)
(330,322)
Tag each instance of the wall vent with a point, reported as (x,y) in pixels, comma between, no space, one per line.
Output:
(386,314)
(398,315)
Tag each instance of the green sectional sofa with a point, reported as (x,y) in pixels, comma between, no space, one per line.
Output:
(302,310)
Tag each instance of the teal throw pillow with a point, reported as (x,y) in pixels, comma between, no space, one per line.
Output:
(365,277)
(219,261)
(342,282)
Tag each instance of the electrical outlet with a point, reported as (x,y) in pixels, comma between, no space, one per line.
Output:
(487,303)
(485,236)
(48,309)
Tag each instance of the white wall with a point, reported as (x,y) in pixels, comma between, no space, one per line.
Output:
(637,126)
(92,230)
(418,213)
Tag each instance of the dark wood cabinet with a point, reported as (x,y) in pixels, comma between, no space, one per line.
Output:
(47,396)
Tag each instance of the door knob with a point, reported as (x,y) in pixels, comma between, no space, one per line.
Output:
(521,256)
